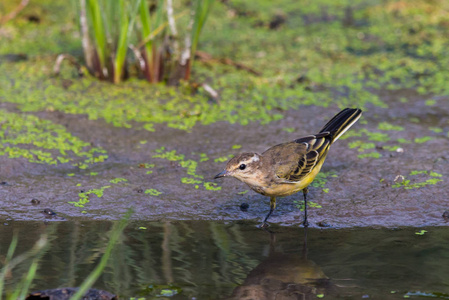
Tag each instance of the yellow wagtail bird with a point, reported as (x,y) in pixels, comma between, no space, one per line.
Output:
(288,168)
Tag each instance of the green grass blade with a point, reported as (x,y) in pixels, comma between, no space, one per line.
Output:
(20,292)
(111,17)
(158,30)
(145,19)
(112,28)
(93,276)
(12,248)
(201,13)
(121,46)
(202,9)
(99,32)
(10,253)
(159,15)
(127,19)
(37,251)
(29,278)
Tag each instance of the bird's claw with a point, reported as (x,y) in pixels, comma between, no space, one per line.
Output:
(264,225)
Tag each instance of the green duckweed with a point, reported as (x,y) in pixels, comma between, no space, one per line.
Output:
(41,141)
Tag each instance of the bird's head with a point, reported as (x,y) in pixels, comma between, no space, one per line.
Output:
(241,167)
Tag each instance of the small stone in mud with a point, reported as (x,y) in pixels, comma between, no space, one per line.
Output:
(140,191)
(323,224)
(49,212)
(35,201)
(244,206)
(446,215)
(3,183)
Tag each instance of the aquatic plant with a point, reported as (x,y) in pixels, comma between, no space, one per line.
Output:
(408,184)
(21,290)
(310,63)
(110,28)
(153,192)
(114,237)
(45,142)
(84,196)
(191,167)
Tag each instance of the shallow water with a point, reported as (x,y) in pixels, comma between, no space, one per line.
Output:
(210,260)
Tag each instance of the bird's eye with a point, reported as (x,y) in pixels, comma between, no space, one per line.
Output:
(242,167)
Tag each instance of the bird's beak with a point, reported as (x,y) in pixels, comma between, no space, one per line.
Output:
(222,174)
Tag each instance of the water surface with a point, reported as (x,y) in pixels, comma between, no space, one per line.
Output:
(210,260)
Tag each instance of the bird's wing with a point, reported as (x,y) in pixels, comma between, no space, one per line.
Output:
(295,160)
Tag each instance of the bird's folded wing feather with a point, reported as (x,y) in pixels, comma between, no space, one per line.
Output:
(295,160)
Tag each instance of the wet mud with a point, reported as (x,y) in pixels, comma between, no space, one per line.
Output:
(363,191)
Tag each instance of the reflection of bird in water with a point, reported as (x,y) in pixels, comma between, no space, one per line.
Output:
(283,276)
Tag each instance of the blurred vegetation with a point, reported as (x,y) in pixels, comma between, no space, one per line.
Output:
(111,29)
(208,260)
(344,53)
(20,290)
(50,143)
(31,260)
(315,52)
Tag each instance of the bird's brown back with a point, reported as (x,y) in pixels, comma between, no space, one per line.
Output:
(294,160)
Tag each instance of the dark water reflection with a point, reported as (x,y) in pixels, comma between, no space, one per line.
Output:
(209,260)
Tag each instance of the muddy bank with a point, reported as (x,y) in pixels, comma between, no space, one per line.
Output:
(62,158)
(364,186)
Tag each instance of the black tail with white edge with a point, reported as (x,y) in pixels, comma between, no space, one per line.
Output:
(341,122)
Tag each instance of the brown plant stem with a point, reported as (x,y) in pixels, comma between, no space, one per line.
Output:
(207,58)
(15,12)
(71,59)
(87,47)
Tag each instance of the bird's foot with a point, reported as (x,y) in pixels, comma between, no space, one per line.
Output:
(305,223)
(264,225)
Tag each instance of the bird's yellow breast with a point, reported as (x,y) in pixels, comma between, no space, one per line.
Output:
(286,189)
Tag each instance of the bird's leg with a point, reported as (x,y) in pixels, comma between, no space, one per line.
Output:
(272,207)
(304,192)
(305,244)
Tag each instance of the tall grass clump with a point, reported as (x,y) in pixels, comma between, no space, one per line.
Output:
(117,35)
